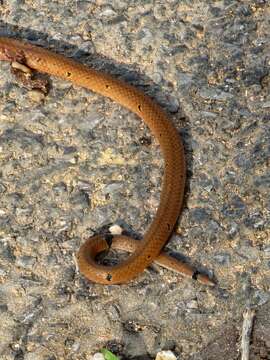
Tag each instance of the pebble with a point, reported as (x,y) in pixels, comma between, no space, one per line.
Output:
(223,259)
(26,261)
(98,356)
(261,297)
(36,96)
(215,94)
(267,251)
(200,215)
(165,355)
(192,304)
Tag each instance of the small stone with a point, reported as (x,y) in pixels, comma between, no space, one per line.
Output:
(98,356)
(173,105)
(112,188)
(192,304)
(108,12)
(26,261)
(233,229)
(36,95)
(2,186)
(3,272)
(165,355)
(3,308)
(80,199)
(200,215)
(235,208)
(262,180)
(146,36)
(222,258)
(75,347)
(261,297)
(208,114)
(114,313)
(267,251)
(184,79)
(215,94)
(115,229)
(60,188)
(253,76)
(255,221)
(266,104)
(157,77)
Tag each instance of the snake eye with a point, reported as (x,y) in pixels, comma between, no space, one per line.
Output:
(140,107)
(68,74)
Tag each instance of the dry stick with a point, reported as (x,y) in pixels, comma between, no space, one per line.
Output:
(246,332)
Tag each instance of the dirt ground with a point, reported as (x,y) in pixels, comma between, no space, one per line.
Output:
(74,162)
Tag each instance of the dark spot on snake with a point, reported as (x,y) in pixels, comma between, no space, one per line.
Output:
(109,277)
(68,74)
(107,86)
(148,256)
(195,275)
(140,107)
(168,226)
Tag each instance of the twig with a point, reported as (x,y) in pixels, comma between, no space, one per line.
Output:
(246,332)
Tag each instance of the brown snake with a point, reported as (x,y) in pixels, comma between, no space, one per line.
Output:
(150,248)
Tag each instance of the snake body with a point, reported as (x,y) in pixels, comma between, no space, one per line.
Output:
(148,249)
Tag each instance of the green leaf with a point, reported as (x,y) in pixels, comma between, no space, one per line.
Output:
(108,355)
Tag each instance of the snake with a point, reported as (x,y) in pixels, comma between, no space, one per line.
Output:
(150,249)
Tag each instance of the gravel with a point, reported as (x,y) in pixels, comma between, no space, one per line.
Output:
(74,162)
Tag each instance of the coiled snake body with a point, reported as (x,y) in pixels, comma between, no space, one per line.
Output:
(149,249)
